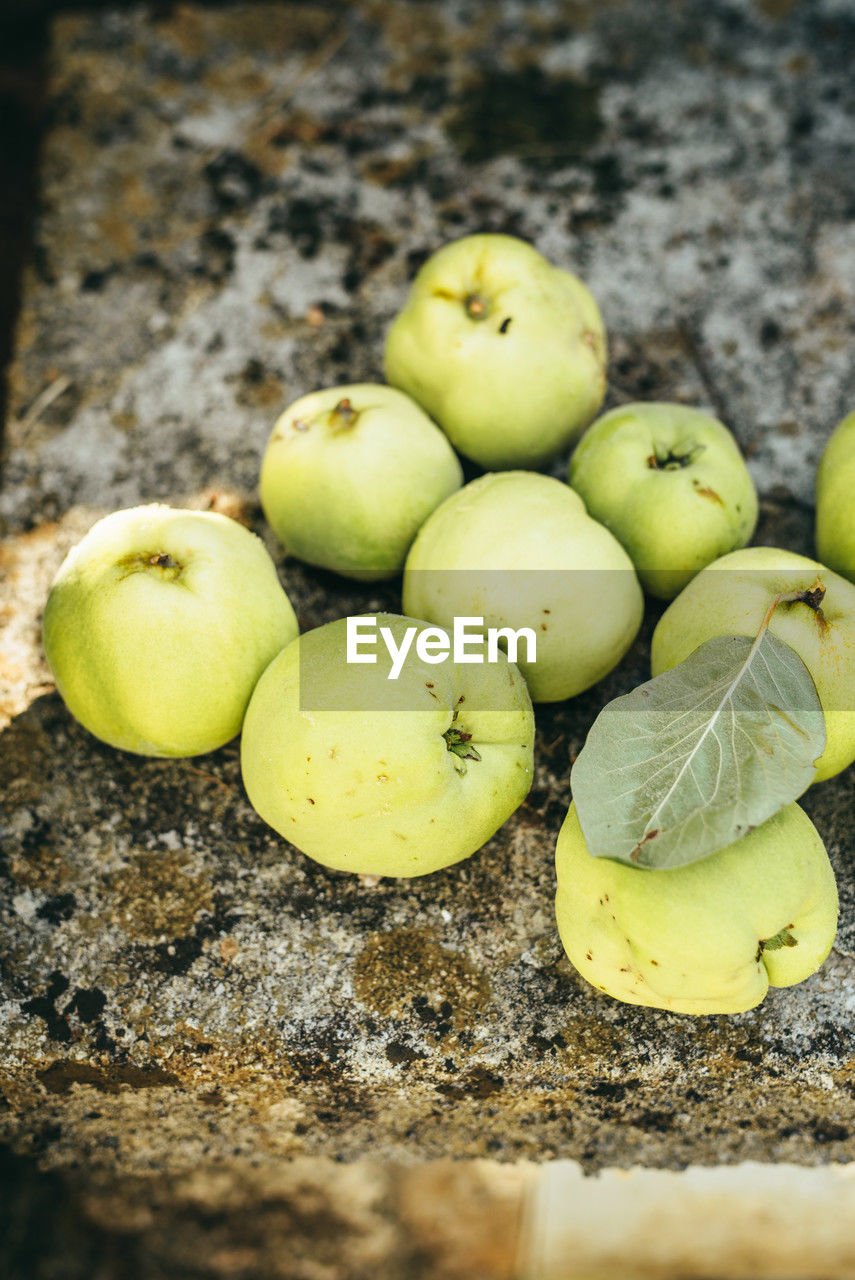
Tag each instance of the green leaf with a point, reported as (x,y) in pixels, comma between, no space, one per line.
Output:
(782,939)
(695,758)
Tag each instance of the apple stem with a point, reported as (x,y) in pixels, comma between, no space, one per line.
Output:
(673,460)
(813,598)
(162,561)
(476,307)
(345,413)
(459,743)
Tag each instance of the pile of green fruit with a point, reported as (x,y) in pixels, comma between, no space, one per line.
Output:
(370,747)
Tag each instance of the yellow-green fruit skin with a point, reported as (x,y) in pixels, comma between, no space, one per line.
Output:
(515,383)
(158,625)
(730,598)
(671,485)
(519,550)
(689,939)
(354,769)
(835,500)
(349,490)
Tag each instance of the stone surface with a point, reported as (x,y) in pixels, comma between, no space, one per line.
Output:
(304,1219)
(233,201)
(770,1222)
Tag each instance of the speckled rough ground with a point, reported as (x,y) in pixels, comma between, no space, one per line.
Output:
(233,201)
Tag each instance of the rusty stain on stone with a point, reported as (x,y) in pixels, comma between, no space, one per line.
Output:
(153,896)
(61,1075)
(404,969)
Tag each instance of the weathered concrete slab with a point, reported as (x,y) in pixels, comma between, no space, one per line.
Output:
(304,1219)
(771,1222)
(233,202)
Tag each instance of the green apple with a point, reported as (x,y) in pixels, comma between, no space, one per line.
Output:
(835,500)
(709,937)
(519,550)
(506,352)
(670,484)
(158,625)
(730,598)
(350,474)
(386,758)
